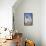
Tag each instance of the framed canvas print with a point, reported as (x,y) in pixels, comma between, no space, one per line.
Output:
(28,19)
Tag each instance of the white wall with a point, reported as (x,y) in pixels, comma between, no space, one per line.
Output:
(43,22)
(6,13)
(30,32)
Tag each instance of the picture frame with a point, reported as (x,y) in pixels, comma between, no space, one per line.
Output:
(28,19)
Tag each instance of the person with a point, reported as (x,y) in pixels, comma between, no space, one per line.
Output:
(29,43)
(18,40)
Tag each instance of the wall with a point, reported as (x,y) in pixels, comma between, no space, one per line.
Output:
(43,22)
(29,32)
(6,13)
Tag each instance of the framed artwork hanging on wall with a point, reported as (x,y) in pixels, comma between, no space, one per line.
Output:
(28,19)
